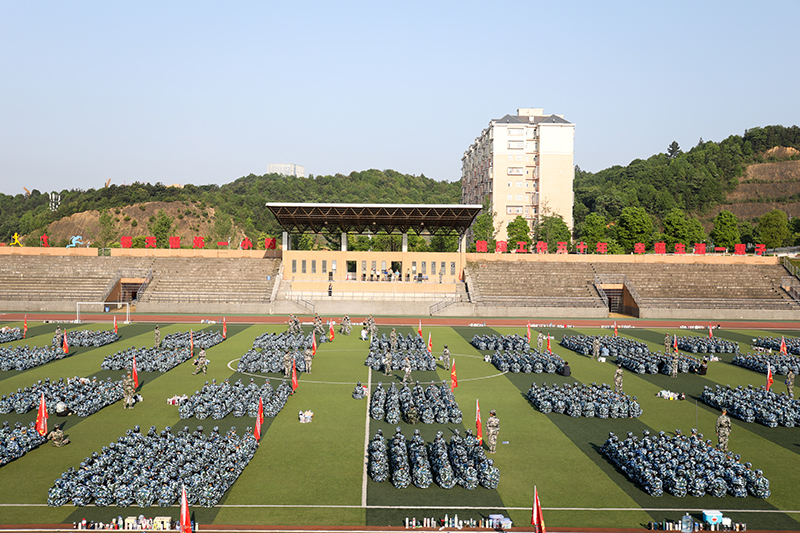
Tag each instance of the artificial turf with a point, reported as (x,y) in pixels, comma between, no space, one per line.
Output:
(311,474)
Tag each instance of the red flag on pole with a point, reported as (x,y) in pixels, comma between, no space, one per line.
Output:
(537,520)
(710,332)
(115,324)
(25,327)
(330,330)
(616,334)
(224,329)
(548,343)
(769,377)
(675,343)
(783,346)
(478,425)
(259,419)
(419,329)
(453,377)
(186,519)
(430,343)
(134,373)
(313,344)
(66,344)
(191,343)
(529,332)
(41,417)
(294,376)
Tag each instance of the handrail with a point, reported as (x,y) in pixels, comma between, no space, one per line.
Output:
(792,286)
(143,286)
(793,270)
(124,273)
(600,291)
(619,279)
(447,302)
(277,285)
(536,301)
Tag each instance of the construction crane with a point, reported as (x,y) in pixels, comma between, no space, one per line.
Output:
(27,192)
(107,182)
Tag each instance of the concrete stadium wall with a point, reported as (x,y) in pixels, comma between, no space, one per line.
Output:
(718,314)
(26,306)
(522,312)
(203,308)
(708,259)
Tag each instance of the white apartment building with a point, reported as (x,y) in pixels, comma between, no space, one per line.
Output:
(287,169)
(523,164)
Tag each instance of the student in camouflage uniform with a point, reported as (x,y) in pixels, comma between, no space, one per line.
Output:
(446,357)
(387,363)
(128,390)
(539,341)
(407,369)
(674,369)
(492,429)
(618,379)
(157,336)
(596,348)
(346,326)
(287,364)
(393,339)
(201,362)
(790,384)
(723,429)
(57,437)
(308,356)
(667,343)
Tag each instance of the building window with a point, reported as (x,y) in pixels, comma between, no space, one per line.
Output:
(333,266)
(516,145)
(294,266)
(303,266)
(441,267)
(520,158)
(510,197)
(515,131)
(363,267)
(452,268)
(433,268)
(324,266)
(511,158)
(514,171)
(413,268)
(519,185)
(313,266)
(423,268)
(519,197)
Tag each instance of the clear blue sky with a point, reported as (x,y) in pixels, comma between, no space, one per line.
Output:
(205,92)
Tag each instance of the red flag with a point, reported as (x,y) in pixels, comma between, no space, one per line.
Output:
(115,323)
(186,519)
(66,344)
(259,419)
(453,377)
(294,376)
(769,376)
(191,342)
(616,334)
(330,330)
(313,344)
(430,343)
(419,329)
(134,373)
(478,425)
(537,520)
(224,329)
(675,343)
(25,327)
(710,333)
(548,343)
(783,346)
(41,417)
(529,332)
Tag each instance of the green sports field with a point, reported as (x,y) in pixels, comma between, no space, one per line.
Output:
(313,474)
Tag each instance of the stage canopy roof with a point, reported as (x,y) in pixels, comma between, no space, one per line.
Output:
(360,218)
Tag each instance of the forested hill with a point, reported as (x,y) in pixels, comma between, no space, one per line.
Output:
(695,181)
(241,200)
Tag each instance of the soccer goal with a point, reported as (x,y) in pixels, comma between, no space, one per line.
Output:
(102,308)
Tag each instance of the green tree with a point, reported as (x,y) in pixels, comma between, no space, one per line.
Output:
(483,228)
(161,227)
(674,150)
(518,231)
(773,229)
(223,227)
(677,228)
(593,230)
(444,242)
(552,230)
(108,229)
(726,230)
(634,225)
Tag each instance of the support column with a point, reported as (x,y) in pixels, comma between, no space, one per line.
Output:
(462,243)
(344,241)
(286,241)
(405,241)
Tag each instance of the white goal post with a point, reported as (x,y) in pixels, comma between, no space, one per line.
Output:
(103,305)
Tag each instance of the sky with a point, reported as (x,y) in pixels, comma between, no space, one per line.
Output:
(206,92)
